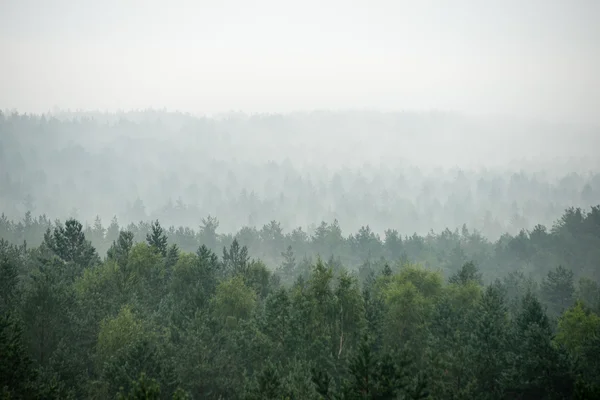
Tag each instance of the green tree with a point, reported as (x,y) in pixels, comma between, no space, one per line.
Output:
(10,261)
(539,370)
(120,248)
(267,385)
(467,273)
(17,375)
(69,243)
(558,290)
(142,389)
(157,238)
(490,343)
(47,301)
(289,264)
(236,260)
(233,299)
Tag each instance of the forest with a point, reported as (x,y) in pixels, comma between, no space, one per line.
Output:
(158,255)
(415,172)
(144,312)
(310,200)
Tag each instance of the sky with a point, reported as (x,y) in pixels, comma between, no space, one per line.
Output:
(535,59)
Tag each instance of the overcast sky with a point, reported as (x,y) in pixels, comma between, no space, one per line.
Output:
(527,58)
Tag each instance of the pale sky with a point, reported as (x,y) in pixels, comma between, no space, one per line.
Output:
(527,58)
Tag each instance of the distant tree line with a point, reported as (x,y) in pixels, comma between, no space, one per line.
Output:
(573,241)
(250,170)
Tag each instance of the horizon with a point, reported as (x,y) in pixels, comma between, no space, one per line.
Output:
(535,60)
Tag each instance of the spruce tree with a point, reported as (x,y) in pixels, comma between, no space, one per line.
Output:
(157,238)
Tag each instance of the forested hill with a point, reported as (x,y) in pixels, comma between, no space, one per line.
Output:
(413,171)
(572,241)
(151,320)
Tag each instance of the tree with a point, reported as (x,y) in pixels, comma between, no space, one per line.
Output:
(70,244)
(142,389)
(17,375)
(277,321)
(120,248)
(579,333)
(369,376)
(490,343)
(267,385)
(538,369)
(236,259)
(9,275)
(97,236)
(172,256)
(558,290)
(468,272)
(157,238)
(208,232)
(589,292)
(234,299)
(113,230)
(289,263)
(46,307)
(349,313)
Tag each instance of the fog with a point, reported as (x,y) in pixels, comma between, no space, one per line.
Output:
(301,200)
(414,172)
(393,114)
(534,59)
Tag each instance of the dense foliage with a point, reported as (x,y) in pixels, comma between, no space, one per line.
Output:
(144,312)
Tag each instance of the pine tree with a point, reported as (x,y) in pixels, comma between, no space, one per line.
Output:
(468,272)
(16,371)
(490,345)
(69,243)
(236,259)
(289,264)
(267,385)
(172,256)
(9,275)
(539,370)
(119,250)
(371,376)
(157,238)
(558,290)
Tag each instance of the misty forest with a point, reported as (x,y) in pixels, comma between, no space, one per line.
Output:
(158,255)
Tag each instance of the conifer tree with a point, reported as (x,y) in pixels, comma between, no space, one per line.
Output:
(157,238)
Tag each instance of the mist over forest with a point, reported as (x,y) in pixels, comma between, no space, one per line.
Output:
(414,172)
(316,200)
(322,255)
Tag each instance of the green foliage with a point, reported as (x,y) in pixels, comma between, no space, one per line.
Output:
(467,273)
(289,264)
(236,260)
(589,292)
(558,290)
(120,248)
(268,385)
(17,374)
(234,299)
(46,304)
(576,326)
(157,238)
(118,332)
(69,243)
(539,369)
(142,389)
(154,324)
(490,343)
(9,275)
